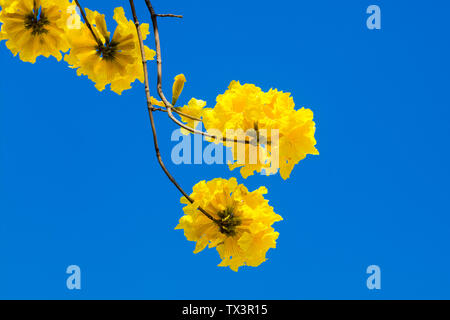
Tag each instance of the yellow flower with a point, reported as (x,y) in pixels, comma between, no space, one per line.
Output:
(242,231)
(194,109)
(177,88)
(115,60)
(247,108)
(35,28)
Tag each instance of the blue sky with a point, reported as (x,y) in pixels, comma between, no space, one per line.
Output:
(79,183)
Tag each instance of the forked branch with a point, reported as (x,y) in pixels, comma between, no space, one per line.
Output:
(152,120)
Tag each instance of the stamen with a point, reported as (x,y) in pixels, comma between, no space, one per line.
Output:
(108,50)
(36,21)
(228,222)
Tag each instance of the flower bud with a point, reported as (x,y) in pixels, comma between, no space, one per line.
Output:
(178,86)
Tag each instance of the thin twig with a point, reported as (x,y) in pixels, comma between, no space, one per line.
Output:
(180,113)
(166,102)
(186,115)
(152,121)
(86,21)
(158,109)
(169,16)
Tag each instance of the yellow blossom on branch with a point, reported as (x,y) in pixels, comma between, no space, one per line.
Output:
(177,89)
(35,28)
(242,231)
(108,60)
(246,107)
(195,109)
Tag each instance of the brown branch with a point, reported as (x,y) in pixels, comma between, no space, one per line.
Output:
(152,121)
(179,112)
(83,14)
(169,16)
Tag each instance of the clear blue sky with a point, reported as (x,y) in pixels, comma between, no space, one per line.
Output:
(79,183)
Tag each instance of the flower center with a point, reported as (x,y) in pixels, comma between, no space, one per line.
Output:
(108,50)
(228,222)
(36,21)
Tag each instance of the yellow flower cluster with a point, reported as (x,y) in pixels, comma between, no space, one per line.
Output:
(247,108)
(46,28)
(116,60)
(35,28)
(242,229)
